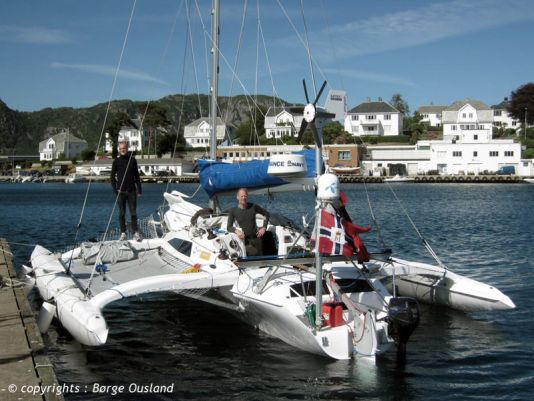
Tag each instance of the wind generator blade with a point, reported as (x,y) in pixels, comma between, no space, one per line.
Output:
(305,91)
(319,94)
(316,135)
(303,126)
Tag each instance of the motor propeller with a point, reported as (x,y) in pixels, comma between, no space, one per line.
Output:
(309,116)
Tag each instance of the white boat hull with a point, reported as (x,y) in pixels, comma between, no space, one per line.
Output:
(434,285)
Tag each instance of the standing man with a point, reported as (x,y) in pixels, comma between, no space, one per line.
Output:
(126,184)
(245,215)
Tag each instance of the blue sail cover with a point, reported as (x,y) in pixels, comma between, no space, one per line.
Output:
(217,177)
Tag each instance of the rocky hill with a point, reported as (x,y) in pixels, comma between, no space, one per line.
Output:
(24,130)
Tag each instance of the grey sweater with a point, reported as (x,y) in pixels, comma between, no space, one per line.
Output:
(246,218)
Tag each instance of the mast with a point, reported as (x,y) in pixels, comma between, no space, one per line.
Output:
(214,88)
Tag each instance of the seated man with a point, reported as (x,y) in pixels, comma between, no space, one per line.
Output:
(245,215)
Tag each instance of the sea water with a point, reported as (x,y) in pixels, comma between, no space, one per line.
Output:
(166,347)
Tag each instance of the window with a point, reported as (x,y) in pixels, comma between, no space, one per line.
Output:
(387,116)
(475,153)
(457,153)
(453,127)
(343,155)
(475,137)
(355,118)
(181,246)
(493,153)
(370,128)
(514,123)
(470,115)
(497,113)
(464,115)
(508,153)
(370,116)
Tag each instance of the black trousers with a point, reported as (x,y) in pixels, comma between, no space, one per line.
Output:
(131,199)
(254,246)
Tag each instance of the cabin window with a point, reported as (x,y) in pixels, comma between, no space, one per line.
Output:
(181,246)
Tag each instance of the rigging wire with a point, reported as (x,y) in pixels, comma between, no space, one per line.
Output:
(236,61)
(182,89)
(424,241)
(307,45)
(190,34)
(379,234)
(78,226)
(301,40)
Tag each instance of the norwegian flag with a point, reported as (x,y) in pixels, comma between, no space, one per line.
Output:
(340,237)
(332,237)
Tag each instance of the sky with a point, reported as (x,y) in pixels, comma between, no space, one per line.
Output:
(64,53)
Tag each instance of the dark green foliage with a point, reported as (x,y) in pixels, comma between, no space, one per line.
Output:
(400,104)
(523,97)
(24,130)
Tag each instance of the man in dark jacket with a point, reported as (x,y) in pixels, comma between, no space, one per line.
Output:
(126,184)
(245,215)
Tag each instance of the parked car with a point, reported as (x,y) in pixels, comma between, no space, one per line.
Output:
(506,170)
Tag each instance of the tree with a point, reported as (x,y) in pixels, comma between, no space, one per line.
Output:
(87,154)
(414,127)
(333,133)
(249,131)
(155,117)
(521,102)
(400,104)
(113,127)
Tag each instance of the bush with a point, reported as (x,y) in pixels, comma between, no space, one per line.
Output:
(528,154)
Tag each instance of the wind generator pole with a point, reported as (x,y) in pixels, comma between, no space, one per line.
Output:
(214,89)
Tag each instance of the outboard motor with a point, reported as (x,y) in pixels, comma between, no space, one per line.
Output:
(403,317)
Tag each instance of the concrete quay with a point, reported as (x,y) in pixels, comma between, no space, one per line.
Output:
(25,370)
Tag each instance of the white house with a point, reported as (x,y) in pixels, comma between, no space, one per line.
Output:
(286,121)
(374,118)
(431,115)
(501,117)
(467,146)
(64,144)
(197,133)
(136,137)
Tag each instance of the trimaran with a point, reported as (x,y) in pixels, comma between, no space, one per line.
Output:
(331,305)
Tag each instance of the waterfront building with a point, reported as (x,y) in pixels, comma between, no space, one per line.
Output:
(374,118)
(286,121)
(197,133)
(64,144)
(347,155)
(148,167)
